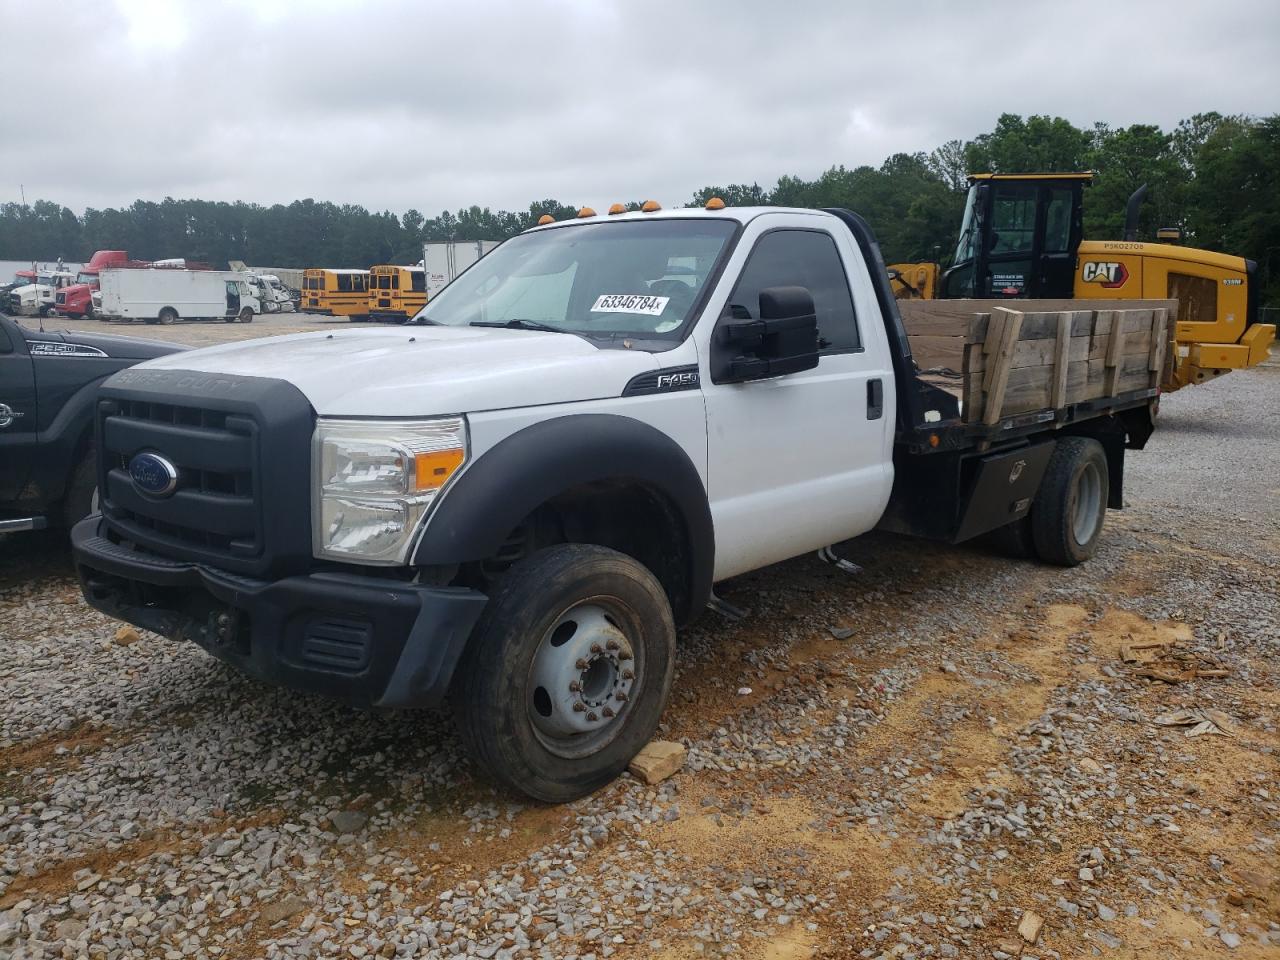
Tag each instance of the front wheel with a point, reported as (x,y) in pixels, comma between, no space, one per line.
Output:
(168,315)
(246,315)
(1071,504)
(568,670)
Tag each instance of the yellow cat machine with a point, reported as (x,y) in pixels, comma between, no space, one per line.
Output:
(1022,237)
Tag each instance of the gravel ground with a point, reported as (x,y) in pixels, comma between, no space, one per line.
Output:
(935,754)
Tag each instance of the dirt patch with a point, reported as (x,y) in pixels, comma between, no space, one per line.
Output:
(1167,932)
(59,880)
(61,751)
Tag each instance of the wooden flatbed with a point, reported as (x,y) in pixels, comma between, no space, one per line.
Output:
(1007,360)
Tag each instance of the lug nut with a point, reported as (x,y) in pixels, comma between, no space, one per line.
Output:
(574,686)
(607,711)
(592,716)
(624,655)
(612,644)
(579,707)
(628,675)
(596,648)
(581,663)
(621,696)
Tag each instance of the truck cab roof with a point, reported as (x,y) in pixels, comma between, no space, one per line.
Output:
(742,215)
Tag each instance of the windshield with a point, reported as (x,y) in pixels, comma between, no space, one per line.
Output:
(966,248)
(87,277)
(634,277)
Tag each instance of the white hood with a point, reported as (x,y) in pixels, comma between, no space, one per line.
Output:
(426,371)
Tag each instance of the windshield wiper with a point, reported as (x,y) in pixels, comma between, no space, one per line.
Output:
(425,320)
(519,324)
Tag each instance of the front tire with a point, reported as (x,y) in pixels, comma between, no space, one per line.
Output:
(246,315)
(1071,504)
(168,315)
(567,672)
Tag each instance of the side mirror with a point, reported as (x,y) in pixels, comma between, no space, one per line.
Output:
(784,340)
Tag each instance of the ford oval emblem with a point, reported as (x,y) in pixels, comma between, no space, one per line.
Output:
(153,474)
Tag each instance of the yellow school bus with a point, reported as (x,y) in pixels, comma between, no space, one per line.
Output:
(396,293)
(339,293)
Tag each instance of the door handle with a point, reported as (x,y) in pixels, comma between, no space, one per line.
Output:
(875,398)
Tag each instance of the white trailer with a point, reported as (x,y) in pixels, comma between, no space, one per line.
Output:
(444,261)
(163,295)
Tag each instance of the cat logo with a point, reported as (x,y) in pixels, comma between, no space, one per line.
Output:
(1109,275)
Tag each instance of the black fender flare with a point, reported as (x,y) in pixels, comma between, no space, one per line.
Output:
(58,443)
(525,470)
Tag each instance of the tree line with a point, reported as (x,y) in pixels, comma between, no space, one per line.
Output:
(1214,176)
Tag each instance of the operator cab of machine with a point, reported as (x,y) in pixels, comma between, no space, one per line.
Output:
(1019,236)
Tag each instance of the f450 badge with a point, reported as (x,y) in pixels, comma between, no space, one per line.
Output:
(1106,274)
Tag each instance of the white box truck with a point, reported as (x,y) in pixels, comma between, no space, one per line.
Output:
(442,262)
(163,295)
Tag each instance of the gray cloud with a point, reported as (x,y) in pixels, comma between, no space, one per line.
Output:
(436,105)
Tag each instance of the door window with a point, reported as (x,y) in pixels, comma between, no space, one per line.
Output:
(1013,220)
(1057,224)
(804,258)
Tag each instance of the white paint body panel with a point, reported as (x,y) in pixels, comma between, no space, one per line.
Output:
(794,463)
(428,371)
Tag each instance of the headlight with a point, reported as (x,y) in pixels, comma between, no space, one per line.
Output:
(374,480)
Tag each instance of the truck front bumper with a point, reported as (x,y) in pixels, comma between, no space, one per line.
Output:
(369,641)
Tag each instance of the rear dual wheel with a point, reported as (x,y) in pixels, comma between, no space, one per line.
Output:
(1071,505)
(1066,519)
(567,672)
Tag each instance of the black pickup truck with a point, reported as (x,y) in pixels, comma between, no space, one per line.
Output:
(48,381)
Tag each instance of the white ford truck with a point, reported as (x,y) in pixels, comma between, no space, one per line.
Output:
(516,501)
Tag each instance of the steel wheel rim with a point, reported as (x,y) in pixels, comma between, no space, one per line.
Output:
(1084,521)
(582,678)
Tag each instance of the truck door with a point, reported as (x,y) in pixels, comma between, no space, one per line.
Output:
(18,423)
(804,460)
(233,298)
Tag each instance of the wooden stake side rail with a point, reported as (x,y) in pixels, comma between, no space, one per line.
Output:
(1002,362)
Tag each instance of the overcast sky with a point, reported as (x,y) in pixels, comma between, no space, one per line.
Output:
(437,105)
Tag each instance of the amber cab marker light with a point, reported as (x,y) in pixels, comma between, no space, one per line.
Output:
(715,203)
(617,208)
(586,212)
(649,206)
(545,219)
